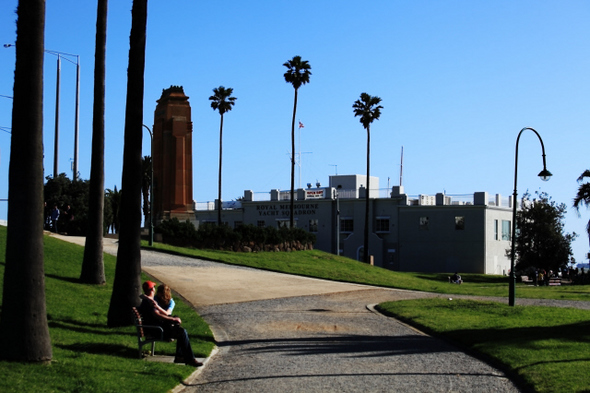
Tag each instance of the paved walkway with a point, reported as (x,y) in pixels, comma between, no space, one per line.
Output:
(278,332)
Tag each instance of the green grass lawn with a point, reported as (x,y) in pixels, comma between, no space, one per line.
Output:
(547,348)
(88,356)
(328,266)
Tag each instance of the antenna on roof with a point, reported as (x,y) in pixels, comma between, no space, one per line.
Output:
(401,168)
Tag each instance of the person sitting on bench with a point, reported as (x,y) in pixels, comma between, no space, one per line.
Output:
(455,279)
(152,314)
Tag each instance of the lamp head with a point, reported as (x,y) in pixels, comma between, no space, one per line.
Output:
(545,175)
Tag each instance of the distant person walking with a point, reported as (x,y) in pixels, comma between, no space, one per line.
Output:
(54,218)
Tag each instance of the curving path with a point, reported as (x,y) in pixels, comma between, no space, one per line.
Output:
(283,333)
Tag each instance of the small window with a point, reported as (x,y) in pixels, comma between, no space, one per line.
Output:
(238,224)
(424,223)
(505,230)
(260,224)
(382,224)
(496,237)
(459,223)
(285,223)
(313,225)
(346,225)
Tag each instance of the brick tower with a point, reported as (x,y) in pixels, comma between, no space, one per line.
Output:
(172,157)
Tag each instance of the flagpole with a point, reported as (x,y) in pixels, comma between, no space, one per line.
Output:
(299,162)
(401,168)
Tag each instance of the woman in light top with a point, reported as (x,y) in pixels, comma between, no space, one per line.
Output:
(164,298)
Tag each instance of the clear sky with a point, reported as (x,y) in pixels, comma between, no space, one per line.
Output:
(459,79)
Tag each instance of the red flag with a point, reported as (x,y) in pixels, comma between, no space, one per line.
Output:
(301,125)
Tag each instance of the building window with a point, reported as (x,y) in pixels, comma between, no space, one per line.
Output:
(382,224)
(285,223)
(459,223)
(346,225)
(238,224)
(260,223)
(505,230)
(313,225)
(495,229)
(424,223)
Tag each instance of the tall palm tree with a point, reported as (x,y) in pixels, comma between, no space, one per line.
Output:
(583,196)
(113,199)
(127,285)
(368,109)
(93,264)
(24,333)
(297,74)
(221,101)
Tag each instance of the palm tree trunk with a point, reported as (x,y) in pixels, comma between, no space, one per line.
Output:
(219,180)
(127,285)
(93,264)
(366,234)
(24,333)
(292,206)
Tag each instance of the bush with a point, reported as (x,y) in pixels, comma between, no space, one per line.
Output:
(211,236)
(176,233)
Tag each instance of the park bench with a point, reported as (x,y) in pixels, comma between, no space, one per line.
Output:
(555,281)
(146,334)
(526,279)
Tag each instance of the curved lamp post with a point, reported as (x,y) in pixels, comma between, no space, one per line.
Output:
(544,175)
(151,242)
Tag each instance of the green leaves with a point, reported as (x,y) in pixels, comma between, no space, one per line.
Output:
(222,99)
(368,109)
(298,72)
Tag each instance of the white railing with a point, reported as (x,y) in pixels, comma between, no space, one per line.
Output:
(383,193)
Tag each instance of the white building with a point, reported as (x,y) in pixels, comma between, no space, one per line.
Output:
(440,233)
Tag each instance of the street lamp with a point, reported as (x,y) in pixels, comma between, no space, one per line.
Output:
(544,175)
(151,229)
(66,57)
(337,195)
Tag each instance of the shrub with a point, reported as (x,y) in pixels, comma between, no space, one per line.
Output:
(211,236)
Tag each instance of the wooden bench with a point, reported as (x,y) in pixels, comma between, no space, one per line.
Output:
(555,281)
(146,334)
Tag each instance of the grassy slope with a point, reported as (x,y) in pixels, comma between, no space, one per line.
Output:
(323,265)
(88,356)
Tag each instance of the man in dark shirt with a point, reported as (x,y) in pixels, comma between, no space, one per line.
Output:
(152,314)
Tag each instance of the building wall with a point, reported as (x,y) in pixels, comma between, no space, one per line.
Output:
(404,236)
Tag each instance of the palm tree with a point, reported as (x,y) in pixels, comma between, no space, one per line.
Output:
(24,333)
(222,101)
(583,196)
(368,109)
(297,74)
(127,285)
(93,264)
(113,199)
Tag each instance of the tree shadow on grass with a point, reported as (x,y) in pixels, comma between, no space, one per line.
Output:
(118,350)
(72,280)
(88,328)
(467,278)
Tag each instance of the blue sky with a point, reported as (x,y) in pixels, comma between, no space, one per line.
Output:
(459,79)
